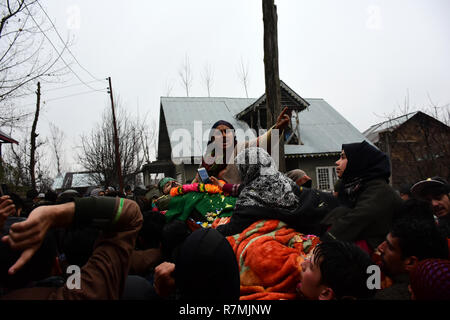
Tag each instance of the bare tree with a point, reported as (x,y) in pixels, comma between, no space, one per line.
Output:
(56,141)
(33,137)
(185,74)
(17,165)
(23,56)
(441,112)
(147,135)
(148,138)
(208,78)
(18,161)
(169,88)
(243,75)
(98,154)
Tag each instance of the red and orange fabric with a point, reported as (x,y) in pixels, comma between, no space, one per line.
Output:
(269,255)
(195,187)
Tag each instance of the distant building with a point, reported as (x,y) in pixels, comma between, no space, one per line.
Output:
(79,181)
(4,138)
(417,144)
(313,141)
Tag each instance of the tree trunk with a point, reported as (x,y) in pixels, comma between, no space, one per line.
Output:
(33,138)
(273,94)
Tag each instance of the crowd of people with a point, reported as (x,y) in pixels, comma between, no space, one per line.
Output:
(249,232)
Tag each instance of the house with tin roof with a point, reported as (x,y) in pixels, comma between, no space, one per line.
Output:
(312,142)
(82,182)
(4,138)
(417,144)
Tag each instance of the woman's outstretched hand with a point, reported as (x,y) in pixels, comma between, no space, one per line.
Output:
(283,119)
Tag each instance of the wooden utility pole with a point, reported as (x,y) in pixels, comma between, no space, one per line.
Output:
(33,138)
(116,140)
(273,94)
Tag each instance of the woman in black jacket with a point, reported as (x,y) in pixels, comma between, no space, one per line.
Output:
(367,201)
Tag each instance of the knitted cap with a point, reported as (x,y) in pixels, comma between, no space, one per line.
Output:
(95,192)
(163,181)
(430,280)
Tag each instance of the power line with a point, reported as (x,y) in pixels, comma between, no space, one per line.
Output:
(59,88)
(62,40)
(74,85)
(66,96)
(72,95)
(54,47)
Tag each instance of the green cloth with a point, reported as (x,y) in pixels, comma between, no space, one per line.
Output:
(182,206)
(162,203)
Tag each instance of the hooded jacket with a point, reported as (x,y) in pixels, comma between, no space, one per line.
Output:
(367,201)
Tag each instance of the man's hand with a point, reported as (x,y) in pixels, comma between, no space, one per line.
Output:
(7,208)
(164,281)
(283,119)
(29,234)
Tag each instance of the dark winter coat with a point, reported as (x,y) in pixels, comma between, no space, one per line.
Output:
(367,200)
(369,219)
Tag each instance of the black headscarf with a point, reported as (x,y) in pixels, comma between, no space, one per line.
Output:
(364,162)
(210,161)
(215,125)
(206,268)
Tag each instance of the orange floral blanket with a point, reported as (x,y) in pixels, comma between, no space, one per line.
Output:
(269,255)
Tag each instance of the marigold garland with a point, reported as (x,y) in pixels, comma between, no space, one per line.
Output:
(195,187)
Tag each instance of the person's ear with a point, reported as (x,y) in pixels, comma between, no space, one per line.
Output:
(410,263)
(326,294)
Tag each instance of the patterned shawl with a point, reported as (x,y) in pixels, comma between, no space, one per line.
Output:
(263,184)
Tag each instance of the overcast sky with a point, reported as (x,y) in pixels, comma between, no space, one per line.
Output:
(361,56)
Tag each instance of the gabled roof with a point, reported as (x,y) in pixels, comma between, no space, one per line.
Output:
(4,138)
(288,98)
(322,129)
(389,125)
(181,113)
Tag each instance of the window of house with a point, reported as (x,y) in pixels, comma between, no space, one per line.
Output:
(326,177)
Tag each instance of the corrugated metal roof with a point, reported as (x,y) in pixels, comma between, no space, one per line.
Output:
(74,180)
(322,128)
(83,180)
(58,182)
(182,113)
(373,132)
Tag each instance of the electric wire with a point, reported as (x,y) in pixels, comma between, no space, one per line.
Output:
(54,47)
(62,40)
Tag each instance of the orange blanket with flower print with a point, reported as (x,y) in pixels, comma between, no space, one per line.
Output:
(269,256)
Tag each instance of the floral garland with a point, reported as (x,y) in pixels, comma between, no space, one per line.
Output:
(195,187)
